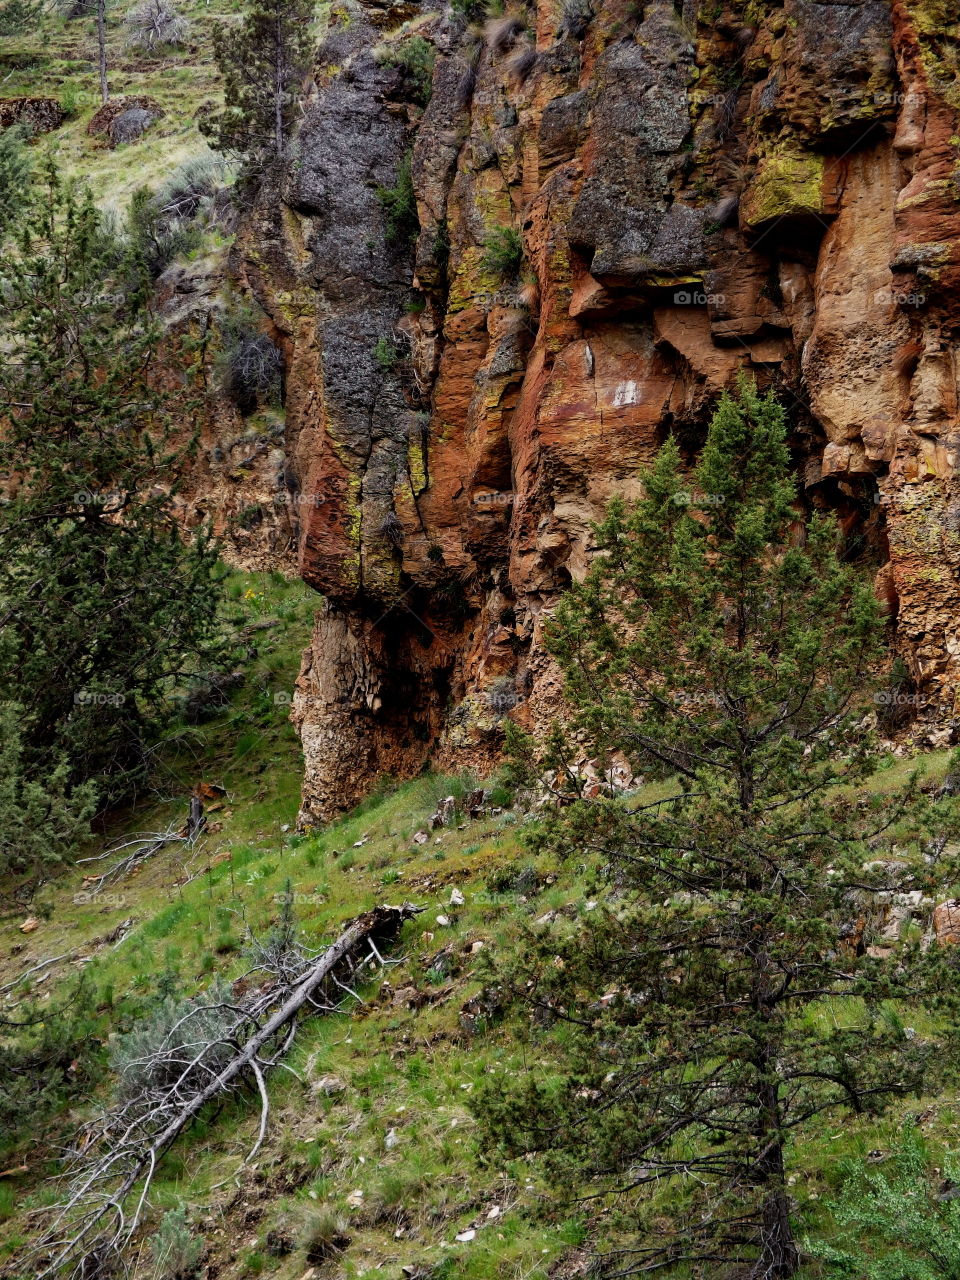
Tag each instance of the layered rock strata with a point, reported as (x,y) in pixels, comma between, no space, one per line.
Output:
(619,208)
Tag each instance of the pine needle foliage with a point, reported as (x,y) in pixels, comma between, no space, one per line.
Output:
(722,646)
(262,61)
(103,606)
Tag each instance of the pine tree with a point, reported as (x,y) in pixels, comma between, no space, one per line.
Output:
(19,15)
(39,821)
(723,647)
(262,61)
(14,176)
(102,605)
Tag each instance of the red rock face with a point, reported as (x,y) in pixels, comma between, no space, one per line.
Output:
(775,192)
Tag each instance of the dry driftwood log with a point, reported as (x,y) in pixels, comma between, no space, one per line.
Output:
(216,1046)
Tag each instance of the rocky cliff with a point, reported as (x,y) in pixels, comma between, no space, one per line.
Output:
(617,208)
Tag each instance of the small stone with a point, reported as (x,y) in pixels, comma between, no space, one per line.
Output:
(456,898)
(464,1237)
(443,921)
(477,946)
(391,1140)
(946,922)
(30,924)
(494,1212)
(328,1085)
(355,1199)
(421,837)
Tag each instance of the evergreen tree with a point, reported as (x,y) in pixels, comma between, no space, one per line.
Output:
(722,647)
(39,822)
(19,15)
(262,61)
(101,603)
(14,176)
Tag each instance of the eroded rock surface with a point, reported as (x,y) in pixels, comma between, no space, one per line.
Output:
(770,188)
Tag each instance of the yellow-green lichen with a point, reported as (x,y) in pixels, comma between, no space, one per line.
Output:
(471,280)
(938,29)
(788,184)
(416,464)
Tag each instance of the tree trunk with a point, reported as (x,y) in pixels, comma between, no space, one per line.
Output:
(779,1257)
(378,925)
(102,48)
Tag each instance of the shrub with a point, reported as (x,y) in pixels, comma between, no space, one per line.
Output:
(191,185)
(175,1250)
(400,205)
(39,820)
(385,354)
(897,1222)
(414,59)
(472,10)
(466,86)
(391,530)
(162,225)
(503,252)
(501,33)
(155,238)
(46,1063)
(250,365)
(522,64)
(15,170)
(324,1236)
(575,18)
(152,1055)
(19,15)
(154,23)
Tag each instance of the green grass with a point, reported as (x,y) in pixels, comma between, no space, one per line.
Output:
(392,1152)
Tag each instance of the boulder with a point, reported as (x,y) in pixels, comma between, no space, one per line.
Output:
(946,922)
(125,119)
(39,115)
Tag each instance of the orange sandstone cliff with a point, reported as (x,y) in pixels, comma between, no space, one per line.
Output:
(766,187)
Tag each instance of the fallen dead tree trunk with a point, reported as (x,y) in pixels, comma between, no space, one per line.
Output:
(135,853)
(189,1070)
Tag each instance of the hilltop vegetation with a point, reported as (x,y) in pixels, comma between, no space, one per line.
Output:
(56,56)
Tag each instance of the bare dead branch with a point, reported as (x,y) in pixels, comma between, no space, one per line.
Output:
(214,1048)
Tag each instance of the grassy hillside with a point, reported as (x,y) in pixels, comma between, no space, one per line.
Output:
(58,58)
(373,1161)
